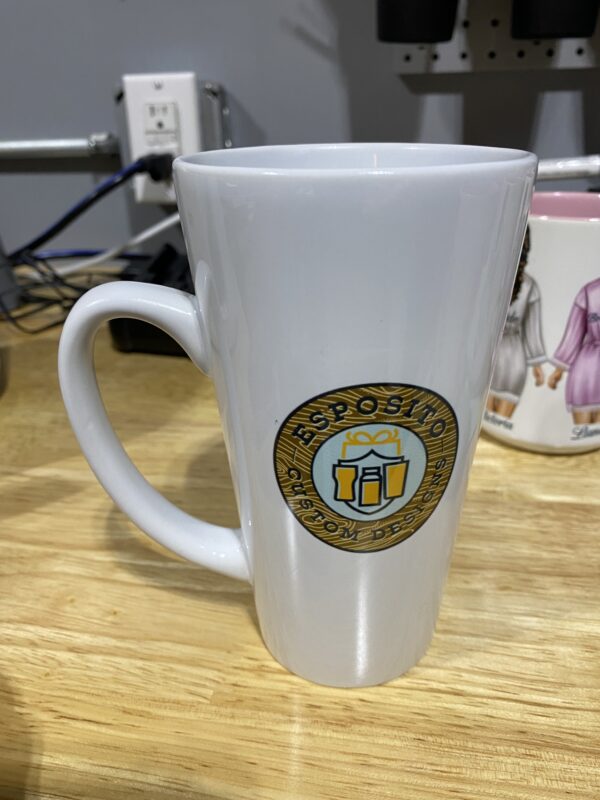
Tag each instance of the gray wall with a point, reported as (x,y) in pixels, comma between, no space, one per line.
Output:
(295,71)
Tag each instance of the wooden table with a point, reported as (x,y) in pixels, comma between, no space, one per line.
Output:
(125,672)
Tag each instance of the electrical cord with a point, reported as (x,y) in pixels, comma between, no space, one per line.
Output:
(102,256)
(42,287)
(158,167)
(82,205)
(42,291)
(85,252)
(116,252)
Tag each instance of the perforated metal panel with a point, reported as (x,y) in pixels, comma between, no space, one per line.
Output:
(482,41)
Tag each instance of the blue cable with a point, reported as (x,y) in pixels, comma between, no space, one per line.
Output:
(43,255)
(82,205)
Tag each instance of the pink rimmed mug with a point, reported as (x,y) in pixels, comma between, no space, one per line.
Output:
(545,390)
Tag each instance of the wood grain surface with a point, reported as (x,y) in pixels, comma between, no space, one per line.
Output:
(125,672)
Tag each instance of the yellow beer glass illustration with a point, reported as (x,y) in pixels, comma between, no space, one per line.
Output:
(344,481)
(395,478)
(372,470)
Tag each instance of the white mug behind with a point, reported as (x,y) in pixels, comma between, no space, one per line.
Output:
(348,302)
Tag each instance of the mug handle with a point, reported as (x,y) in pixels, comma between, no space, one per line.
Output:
(179,315)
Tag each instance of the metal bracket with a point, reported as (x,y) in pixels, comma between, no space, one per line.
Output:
(214,117)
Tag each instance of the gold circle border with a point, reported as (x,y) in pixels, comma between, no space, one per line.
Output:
(293,458)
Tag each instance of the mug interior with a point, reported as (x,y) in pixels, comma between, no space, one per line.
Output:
(566,205)
(354,157)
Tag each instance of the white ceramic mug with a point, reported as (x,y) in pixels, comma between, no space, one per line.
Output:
(545,391)
(348,302)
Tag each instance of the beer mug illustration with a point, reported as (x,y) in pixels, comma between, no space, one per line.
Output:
(372,471)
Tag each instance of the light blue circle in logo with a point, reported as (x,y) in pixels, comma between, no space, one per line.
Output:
(369,472)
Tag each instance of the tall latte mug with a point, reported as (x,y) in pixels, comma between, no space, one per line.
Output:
(348,302)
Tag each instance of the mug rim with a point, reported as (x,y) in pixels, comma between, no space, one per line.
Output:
(586,206)
(246,161)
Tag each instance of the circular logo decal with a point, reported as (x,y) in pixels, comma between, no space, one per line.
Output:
(364,467)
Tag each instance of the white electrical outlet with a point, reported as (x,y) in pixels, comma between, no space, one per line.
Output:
(162,117)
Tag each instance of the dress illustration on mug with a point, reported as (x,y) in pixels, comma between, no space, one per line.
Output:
(521,345)
(579,354)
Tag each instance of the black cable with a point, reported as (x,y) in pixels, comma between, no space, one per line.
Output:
(49,290)
(49,277)
(15,319)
